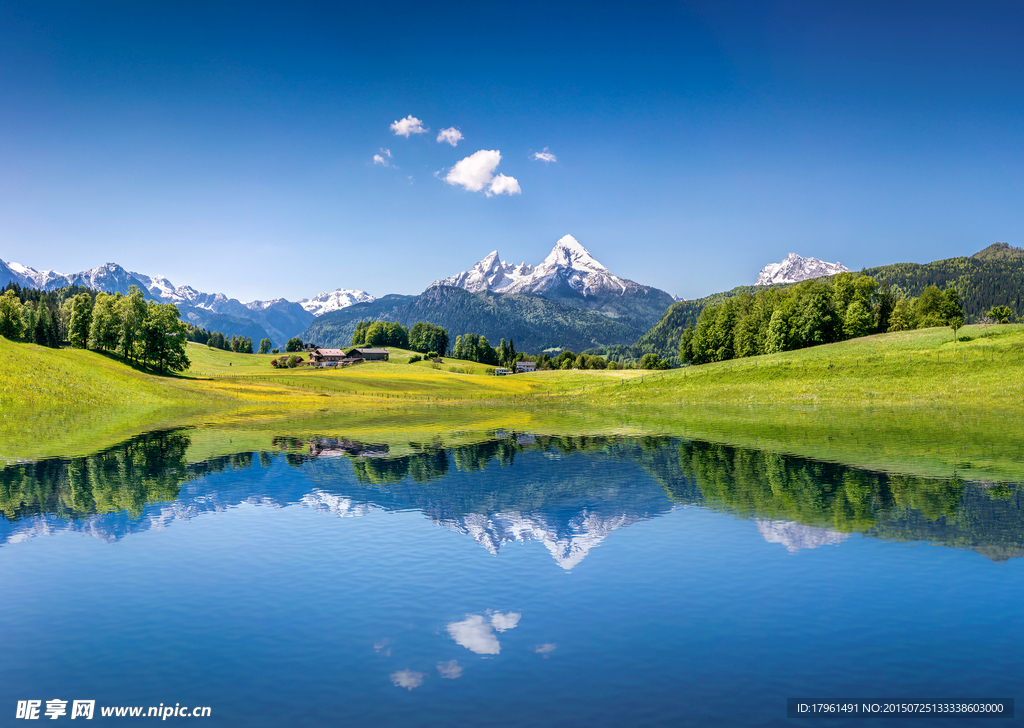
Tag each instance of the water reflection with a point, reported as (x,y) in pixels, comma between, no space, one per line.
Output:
(407,679)
(476,631)
(450,670)
(567,493)
(797,536)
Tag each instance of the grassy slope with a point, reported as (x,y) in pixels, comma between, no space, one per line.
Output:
(914,402)
(907,402)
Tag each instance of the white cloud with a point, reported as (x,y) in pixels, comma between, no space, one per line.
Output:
(407,679)
(450,669)
(378,159)
(503,622)
(545,649)
(475,634)
(502,185)
(476,172)
(451,135)
(544,156)
(408,125)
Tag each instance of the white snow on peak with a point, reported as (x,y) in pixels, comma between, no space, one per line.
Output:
(586,531)
(796,268)
(796,536)
(24,270)
(158,285)
(568,263)
(568,253)
(335,300)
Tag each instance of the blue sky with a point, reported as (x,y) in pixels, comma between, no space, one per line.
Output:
(231,146)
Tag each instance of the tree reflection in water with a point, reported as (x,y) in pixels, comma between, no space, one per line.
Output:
(568,491)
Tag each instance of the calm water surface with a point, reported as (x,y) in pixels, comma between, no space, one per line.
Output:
(518,580)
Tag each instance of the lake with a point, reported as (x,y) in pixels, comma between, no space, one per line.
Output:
(509,579)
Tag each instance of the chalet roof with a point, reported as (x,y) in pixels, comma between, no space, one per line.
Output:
(371,351)
(331,352)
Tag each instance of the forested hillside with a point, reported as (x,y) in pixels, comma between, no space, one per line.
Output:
(533,322)
(993,280)
(999,251)
(663,338)
(991,277)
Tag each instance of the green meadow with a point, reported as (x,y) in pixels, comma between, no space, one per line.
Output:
(914,402)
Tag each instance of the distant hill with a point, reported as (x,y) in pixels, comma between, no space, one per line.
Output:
(335,328)
(535,323)
(999,251)
(663,338)
(232,325)
(980,282)
(991,277)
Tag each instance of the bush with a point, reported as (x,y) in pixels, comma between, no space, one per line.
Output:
(275,351)
(415,358)
(651,361)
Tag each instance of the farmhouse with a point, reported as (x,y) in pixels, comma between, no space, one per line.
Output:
(339,357)
(323,356)
(526,366)
(368,354)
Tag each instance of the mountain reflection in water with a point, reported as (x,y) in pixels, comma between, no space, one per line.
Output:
(568,493)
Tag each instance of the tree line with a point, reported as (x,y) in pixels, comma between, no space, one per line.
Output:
(140,332)
(423,337)
(433,340)
(219,340)
(819,311)
(39,317)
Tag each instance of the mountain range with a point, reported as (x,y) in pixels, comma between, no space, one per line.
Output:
(569,275)
(277,319)
(569,300)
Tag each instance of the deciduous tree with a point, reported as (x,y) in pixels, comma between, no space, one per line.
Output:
(81,320)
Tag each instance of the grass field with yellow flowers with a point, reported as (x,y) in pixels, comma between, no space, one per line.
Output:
(913,401)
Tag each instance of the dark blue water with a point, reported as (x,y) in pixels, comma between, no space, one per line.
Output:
(516,581)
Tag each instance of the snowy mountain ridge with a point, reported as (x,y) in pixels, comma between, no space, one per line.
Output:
(278,319)
(568,263)
(335,300)
(795,268)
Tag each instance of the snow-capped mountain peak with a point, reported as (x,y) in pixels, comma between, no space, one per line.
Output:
(277,318)
(334,300)
(569,253)
(796,268)
(158,286)
(568,268)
